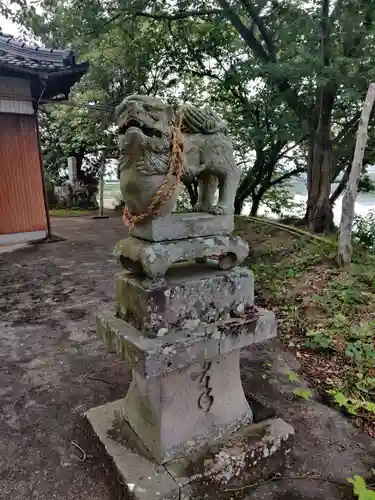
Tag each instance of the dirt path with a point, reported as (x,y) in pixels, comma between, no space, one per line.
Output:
(48,299)
(326,445)
(49,356)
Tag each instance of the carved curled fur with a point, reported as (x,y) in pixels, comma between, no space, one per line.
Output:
(164,193)
(201,121)
(151,158)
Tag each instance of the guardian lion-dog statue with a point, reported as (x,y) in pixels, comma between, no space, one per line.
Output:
(145,128)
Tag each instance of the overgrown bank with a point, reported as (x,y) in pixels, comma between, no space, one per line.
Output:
(326,314)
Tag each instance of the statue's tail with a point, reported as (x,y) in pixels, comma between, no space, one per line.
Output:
(201,121)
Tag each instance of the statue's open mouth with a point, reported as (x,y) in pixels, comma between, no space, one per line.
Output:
(150,132)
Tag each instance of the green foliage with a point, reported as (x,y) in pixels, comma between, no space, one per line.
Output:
(360,488)
(128,57)
(364,384)
(364,230)
(292,376)
(338,323)
(183,201)
(342,296)
(339,398)
(319,340)
(342,299)
(363,353)
(351,404)
(279,48)
(300,392)
(279,198)
(143,55)
(304,394)
(365,331)
(366,184)
(69,132)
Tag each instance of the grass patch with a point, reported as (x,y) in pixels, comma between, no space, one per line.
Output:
(326,314)
(71,213)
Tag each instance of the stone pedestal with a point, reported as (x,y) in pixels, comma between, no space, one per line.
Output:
(191,299)
(183,226)
(175,414)
(186,387)
(155,259)
(180,328)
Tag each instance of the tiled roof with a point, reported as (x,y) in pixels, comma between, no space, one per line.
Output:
(35,58)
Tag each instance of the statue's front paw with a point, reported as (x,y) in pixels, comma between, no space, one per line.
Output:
(199,207)
(134,137)
(218,210)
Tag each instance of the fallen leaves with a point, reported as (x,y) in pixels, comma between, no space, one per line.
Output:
(301,283)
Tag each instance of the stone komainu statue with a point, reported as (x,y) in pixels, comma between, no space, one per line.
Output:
(145,128)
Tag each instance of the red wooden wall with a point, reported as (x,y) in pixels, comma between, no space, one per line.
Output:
(21,189)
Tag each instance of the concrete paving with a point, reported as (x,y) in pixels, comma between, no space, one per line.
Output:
(12,248)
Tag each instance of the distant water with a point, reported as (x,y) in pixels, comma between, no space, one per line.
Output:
(365,202)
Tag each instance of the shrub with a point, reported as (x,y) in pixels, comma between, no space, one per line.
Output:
(364,229)
(50,189)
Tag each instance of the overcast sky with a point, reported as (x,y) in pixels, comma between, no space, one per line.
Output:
(7,27)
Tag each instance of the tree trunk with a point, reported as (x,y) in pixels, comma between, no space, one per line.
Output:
(192,189)
(258,178)
(319,214)
(238,205)
(79,162)
(340,188)
(348,202)
(256,199)
(319,210)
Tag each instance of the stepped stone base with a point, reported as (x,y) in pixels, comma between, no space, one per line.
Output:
(186,389)
(189,297)
(152,357)
(252,453)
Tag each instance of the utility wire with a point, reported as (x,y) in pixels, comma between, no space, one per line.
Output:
(96,107)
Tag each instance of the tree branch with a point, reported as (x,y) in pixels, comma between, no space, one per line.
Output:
(164,16)
(246,34)
(325,33)
(266,35)
(347,128)
(344,145)
(286,176)
(261,172)
(205,72)
(252,177)
(341,186)
(283,154)
(352,45)
(291,97)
